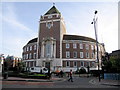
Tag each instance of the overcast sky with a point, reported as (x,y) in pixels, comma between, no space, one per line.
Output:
(20,22)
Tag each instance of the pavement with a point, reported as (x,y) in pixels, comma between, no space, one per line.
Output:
(53,79)
(105,82)
(93,80)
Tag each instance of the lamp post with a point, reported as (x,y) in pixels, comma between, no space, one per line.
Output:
(95,28)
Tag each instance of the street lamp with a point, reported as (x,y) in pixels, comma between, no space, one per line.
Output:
(95,28)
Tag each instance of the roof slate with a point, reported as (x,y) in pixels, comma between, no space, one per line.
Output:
(53,10)
(76,37)
(32,41)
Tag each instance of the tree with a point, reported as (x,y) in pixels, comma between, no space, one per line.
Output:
(20,66)
(112,65)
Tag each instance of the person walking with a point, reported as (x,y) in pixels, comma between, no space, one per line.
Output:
(70,76)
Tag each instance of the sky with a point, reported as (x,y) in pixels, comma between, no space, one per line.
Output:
(20,22)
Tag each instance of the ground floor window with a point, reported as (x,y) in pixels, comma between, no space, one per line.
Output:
(67,63)
(82,63)
(75,64)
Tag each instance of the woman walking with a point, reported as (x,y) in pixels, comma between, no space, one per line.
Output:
(70,75)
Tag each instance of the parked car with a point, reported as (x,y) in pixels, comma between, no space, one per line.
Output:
(43,70)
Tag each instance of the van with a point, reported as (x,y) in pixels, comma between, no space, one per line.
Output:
(43,70)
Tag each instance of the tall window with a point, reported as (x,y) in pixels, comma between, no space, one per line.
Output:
(75,64)
(67,54)
(35,46)
(92,55)
(74,45)
(27,56)
(34,56)
(81,54)
(48,50)
(82,63)
(67,45)
(67,63)
(74,54)
(30,55)
(92,47)
(87,46)
(24,56)
(87,55)
(27,48)
(93,64)
(81,46)
(30,48)
(87,64)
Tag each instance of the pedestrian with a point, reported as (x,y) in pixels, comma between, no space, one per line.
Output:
(70,76)
(61,73)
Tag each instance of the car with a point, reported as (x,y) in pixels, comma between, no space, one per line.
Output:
(43,70)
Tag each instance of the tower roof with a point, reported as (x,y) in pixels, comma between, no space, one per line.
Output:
(53,10)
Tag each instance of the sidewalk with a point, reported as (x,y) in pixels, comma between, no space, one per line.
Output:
(106,82)
(33,80)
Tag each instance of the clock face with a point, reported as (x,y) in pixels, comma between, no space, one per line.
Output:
(49,25)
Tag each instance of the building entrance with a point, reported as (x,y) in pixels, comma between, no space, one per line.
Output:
(47,65)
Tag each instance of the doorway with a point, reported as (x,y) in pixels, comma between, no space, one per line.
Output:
(47,65)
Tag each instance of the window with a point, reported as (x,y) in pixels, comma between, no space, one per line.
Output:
(27,56)
(67,45)
(92,47)
(75,64)
(81,46)
(34,56)
(93,64)
(81,54)
(35,46)
(82,63)
(92,55)
(87,64)
(48,50)
(30,48)
(24,50)
(87,47)
(27,48)
(75,54)
(30,56)
(67,54)
(24,56)
(50,16)
(74,45)
(87,55)
(67,63)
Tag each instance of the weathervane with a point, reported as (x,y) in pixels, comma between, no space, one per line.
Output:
(53,4)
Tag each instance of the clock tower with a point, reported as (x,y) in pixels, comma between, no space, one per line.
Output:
(51,31)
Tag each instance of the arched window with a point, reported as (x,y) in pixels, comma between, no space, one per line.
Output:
(48,50)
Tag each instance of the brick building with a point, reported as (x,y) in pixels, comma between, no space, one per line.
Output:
(12,61)
(55,49)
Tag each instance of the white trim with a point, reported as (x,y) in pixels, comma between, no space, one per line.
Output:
(66,59)
(50,20)
(78,41)
(51,14)
(29,60)
(60,40)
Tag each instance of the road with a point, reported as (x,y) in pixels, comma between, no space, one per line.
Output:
(79,82)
